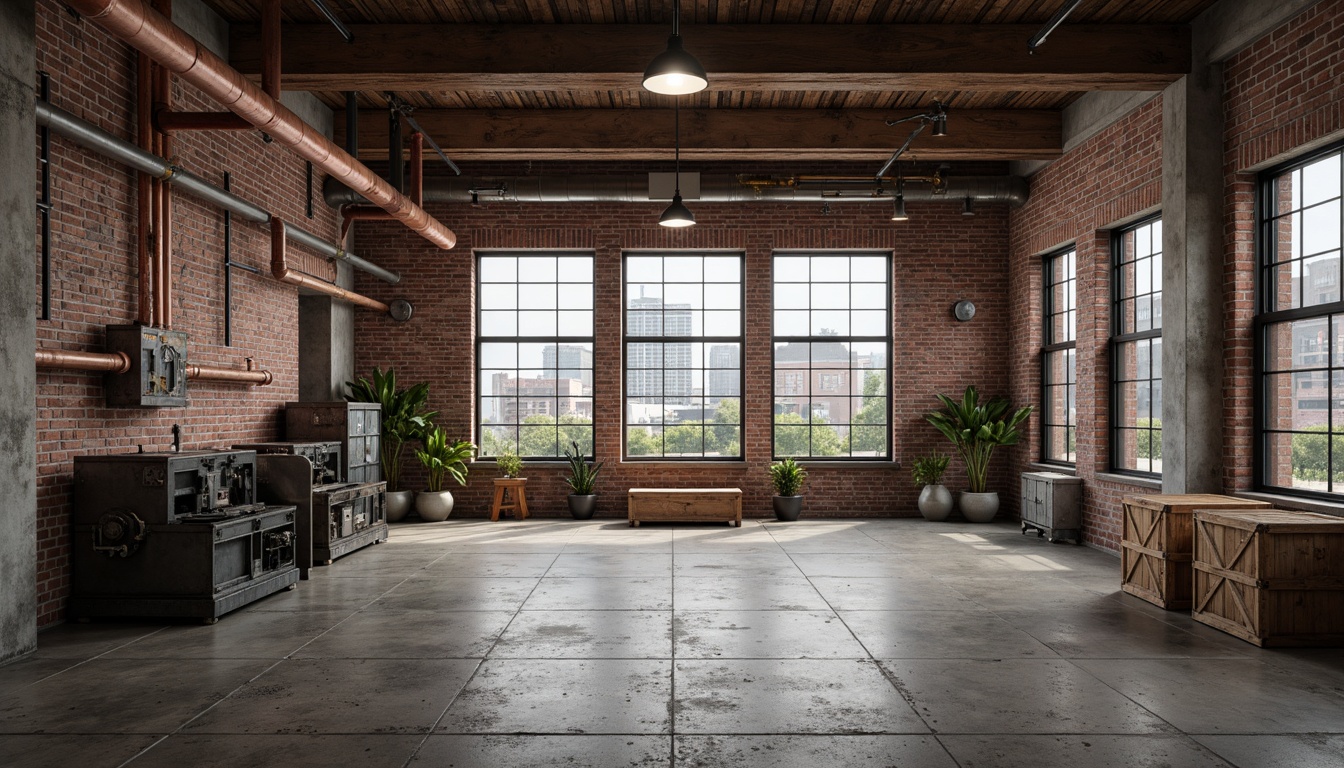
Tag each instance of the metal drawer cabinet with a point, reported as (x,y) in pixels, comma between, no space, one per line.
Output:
(1052,505)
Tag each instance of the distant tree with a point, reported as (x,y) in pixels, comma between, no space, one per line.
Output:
(792,433)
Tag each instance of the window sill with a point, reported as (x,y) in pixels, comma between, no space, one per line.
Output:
(1059,469)
(721,463)
(1293,502)
(814,464)
(1150,483)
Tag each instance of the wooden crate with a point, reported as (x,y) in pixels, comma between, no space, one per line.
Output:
(685,505)
(1271,577)
(1157,544)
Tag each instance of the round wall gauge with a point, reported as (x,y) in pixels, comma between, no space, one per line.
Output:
(964,310)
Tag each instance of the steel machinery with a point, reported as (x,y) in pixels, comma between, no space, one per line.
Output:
(176,534)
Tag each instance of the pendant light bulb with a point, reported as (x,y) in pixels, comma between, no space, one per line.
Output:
(674,72)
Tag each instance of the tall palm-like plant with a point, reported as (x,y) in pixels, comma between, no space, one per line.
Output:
(977,429)
(405,417)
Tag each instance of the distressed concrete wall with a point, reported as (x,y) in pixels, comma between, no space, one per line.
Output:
(18,471)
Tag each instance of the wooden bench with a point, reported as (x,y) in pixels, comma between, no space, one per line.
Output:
(685,505)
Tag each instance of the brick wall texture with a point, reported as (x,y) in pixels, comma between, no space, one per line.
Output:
(1283,93)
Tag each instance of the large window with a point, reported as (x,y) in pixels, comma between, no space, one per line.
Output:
(1301,345)
(683,356)
(534,336)
(1136,349)
(1059,359)
(832,344)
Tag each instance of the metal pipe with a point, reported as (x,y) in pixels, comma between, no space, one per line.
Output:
(228,270)
(112,362)
(281,271)
(146,30)
(1050,25)
(713,189)
(145,186)
(335,22)
(94,138)
(352,123)
(44,202)
(396,162)
(163,100)
(213,373)
(417,188)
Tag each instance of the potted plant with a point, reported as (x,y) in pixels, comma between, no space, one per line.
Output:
(442,459)
(976,429)
(509,464)
(404,419)
(787,477)
(582,478)
(935,501)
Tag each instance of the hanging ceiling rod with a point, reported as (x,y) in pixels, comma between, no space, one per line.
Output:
(1050,25)
(321,5)
(937,117)
(399,104)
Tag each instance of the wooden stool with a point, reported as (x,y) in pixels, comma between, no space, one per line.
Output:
(510,496)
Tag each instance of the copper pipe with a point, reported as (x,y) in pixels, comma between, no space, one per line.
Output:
(144,188)
(167,120)
(280,269)
(270,45)
(142,28)
(163,100)
(112,362)
(213,373)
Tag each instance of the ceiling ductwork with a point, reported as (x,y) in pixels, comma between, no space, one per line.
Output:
(717,188)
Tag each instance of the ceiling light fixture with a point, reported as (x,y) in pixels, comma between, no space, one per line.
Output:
(675,72)
(898,212)
(936,117)
(677,214)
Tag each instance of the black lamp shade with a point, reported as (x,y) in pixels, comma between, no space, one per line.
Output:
(675,72)
(677,214)
(898,213)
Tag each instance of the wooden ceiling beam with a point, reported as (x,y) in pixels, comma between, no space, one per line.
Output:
(738,57)
(717,134)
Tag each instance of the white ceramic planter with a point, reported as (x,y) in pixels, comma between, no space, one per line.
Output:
(399,505)
(979,507)
(935,503)
(434,506)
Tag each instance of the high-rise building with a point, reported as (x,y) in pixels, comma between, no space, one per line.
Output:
(570,361)
(658,369)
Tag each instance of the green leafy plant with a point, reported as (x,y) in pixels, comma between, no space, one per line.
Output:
(928,470)
(582,475)
(787,477)
(405,417)
(443,458)
(509,463)
(977,429)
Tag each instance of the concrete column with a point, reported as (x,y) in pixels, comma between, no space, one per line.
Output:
(18,331)
(326,344)
(1192,282)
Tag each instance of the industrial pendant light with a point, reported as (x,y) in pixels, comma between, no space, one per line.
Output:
(677,214)
(898,213)
(675,72)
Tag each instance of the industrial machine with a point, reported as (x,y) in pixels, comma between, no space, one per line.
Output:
(357,426)
(346,516)
(176,534)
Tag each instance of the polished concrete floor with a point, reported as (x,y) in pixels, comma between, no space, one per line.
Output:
(819,643)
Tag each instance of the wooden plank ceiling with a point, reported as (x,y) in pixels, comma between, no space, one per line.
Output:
(789,79)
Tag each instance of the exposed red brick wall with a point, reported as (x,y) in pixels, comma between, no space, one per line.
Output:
(1283,93)
(940,256)
(94,282)
(1113,176)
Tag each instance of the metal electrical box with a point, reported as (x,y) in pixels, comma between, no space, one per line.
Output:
(176,534)
(158,375)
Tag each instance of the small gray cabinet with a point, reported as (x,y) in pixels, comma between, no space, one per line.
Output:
(1052,505)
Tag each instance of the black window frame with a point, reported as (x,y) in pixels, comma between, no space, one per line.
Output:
(888,341)
(704,340)
(1050,347)
(1120,338)
(1267,317)
(558,340)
